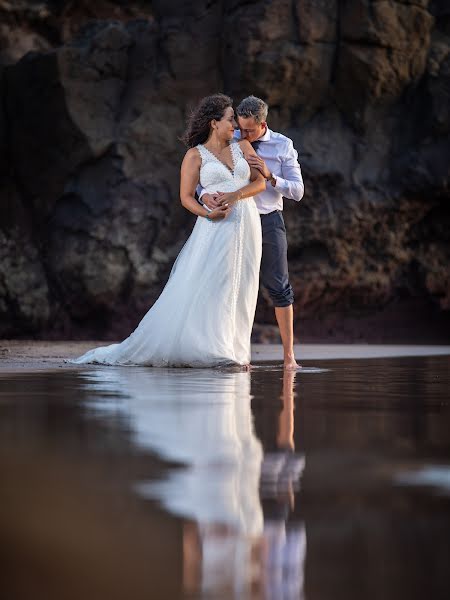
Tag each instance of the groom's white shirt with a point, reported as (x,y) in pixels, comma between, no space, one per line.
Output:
(281,158)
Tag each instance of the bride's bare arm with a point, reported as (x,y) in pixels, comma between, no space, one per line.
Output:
(257,182)
(190,172)
(255,174)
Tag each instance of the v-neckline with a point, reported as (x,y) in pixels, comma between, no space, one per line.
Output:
(231,170)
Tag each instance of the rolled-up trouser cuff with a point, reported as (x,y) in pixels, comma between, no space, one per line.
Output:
(282,299)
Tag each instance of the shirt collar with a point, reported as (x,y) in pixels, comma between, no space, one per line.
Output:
(265,137)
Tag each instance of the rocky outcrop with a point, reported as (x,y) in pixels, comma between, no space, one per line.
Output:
(94,98)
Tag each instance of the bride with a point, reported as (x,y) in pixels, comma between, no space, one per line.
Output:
(204,315)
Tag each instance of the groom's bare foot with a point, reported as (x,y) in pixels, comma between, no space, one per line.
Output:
(290,364)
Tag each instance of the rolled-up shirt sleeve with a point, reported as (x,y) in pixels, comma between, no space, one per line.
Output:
(290,184)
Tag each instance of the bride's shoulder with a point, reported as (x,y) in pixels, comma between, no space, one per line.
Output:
(191,162)
(192,155)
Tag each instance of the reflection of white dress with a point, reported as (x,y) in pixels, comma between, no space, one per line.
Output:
(205,314)
(205,424)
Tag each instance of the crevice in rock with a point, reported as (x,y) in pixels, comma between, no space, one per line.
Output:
(241,5)
(337,44)
(295,29)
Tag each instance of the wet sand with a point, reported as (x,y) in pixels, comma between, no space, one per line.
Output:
(150,483)
(31,355)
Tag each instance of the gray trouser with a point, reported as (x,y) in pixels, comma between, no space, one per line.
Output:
(274,263)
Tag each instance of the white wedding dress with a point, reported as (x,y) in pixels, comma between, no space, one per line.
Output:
(204,315)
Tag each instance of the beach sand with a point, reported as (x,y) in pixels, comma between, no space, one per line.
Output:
(31,355)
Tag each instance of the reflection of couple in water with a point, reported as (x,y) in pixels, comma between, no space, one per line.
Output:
(269,556)
(234,493)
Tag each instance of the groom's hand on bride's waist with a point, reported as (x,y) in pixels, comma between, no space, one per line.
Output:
(211,200)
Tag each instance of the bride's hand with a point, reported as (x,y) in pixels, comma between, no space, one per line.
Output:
(221,212)
(229,198)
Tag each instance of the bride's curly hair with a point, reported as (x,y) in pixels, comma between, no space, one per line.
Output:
(199,121)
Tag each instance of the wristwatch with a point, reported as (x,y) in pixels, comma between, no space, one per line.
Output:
(272,179)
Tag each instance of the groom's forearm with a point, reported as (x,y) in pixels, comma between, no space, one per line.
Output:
(294,190)
(290,181)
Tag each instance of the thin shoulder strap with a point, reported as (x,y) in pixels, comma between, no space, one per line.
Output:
(236,149)
(202,151)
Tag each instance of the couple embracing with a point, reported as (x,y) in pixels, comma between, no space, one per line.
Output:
(233,177)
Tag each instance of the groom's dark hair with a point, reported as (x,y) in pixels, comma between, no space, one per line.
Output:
(199,121)
(253,107)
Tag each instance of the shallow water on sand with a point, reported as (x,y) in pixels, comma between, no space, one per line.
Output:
(152,483)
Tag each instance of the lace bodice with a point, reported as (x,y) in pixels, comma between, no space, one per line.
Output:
(215,175)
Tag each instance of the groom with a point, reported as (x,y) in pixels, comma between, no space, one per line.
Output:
(277,161)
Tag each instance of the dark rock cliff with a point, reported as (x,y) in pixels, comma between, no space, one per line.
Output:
(94,97)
